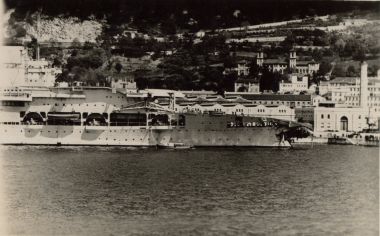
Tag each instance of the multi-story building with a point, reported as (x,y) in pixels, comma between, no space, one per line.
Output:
(123,82)
(347,90)
(281,65)
(241,68)
(290,100)
(296,84)
(342,115)
(247,85)
(248,109)
(305,114)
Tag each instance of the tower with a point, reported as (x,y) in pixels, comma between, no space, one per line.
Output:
(364,85)
(260,58)
(292,59)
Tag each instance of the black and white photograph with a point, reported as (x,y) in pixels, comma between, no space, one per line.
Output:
(189,117)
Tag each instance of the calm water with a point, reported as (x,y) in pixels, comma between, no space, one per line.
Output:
(320,190)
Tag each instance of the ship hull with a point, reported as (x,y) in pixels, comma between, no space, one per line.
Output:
(138,136)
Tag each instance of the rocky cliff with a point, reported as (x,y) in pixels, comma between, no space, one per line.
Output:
(57,29)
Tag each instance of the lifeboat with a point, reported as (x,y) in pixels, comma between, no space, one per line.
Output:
(68,116)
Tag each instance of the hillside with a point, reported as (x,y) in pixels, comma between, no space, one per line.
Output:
(57,29)
(176,16)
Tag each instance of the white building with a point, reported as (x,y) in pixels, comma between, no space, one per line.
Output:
(317,99)
(247,85)
(124,82)
(241,68)
(347,90)
(281,65)
(290,100)
(275,111)
(343,120)
(297,84)
(350,116)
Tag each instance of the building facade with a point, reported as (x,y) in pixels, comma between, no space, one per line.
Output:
(348,90)
(281,65)
(342,115)
(290,100)
(277,112)
(296,84)
(247,85)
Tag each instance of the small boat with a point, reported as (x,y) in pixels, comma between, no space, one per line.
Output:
(339,140)
(366,138)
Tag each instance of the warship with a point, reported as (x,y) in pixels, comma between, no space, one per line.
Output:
(79,115)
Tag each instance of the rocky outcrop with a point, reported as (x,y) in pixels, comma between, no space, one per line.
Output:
(60,29)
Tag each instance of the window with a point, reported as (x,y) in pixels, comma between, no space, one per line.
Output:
(328,116)
(322,116)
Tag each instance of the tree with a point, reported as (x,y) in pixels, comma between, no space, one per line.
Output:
(269,80)
(324,68)
(372,70)
(20,31)
(338,71)
(168,27)
(317,55)
(76,43)
(118,67)
(351,71)
(57,62)
(359,54)
(33,46)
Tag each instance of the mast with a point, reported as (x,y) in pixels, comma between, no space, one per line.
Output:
(38,36)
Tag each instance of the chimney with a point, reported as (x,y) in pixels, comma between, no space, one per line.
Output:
(364,85)
(38,52)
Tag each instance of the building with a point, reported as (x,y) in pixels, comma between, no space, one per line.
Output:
(296,84)
(344,116)
(247,85)
(241,68)
(277,112)
(281,65)
(343,120)
(347,90)
(304,114)
(317,99)
(290,100)
(123,81)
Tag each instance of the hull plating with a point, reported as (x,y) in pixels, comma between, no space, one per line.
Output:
(138,136)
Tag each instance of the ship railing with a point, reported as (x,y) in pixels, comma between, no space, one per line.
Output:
(32,123)
(248,124)
(15,94)
(9,123)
